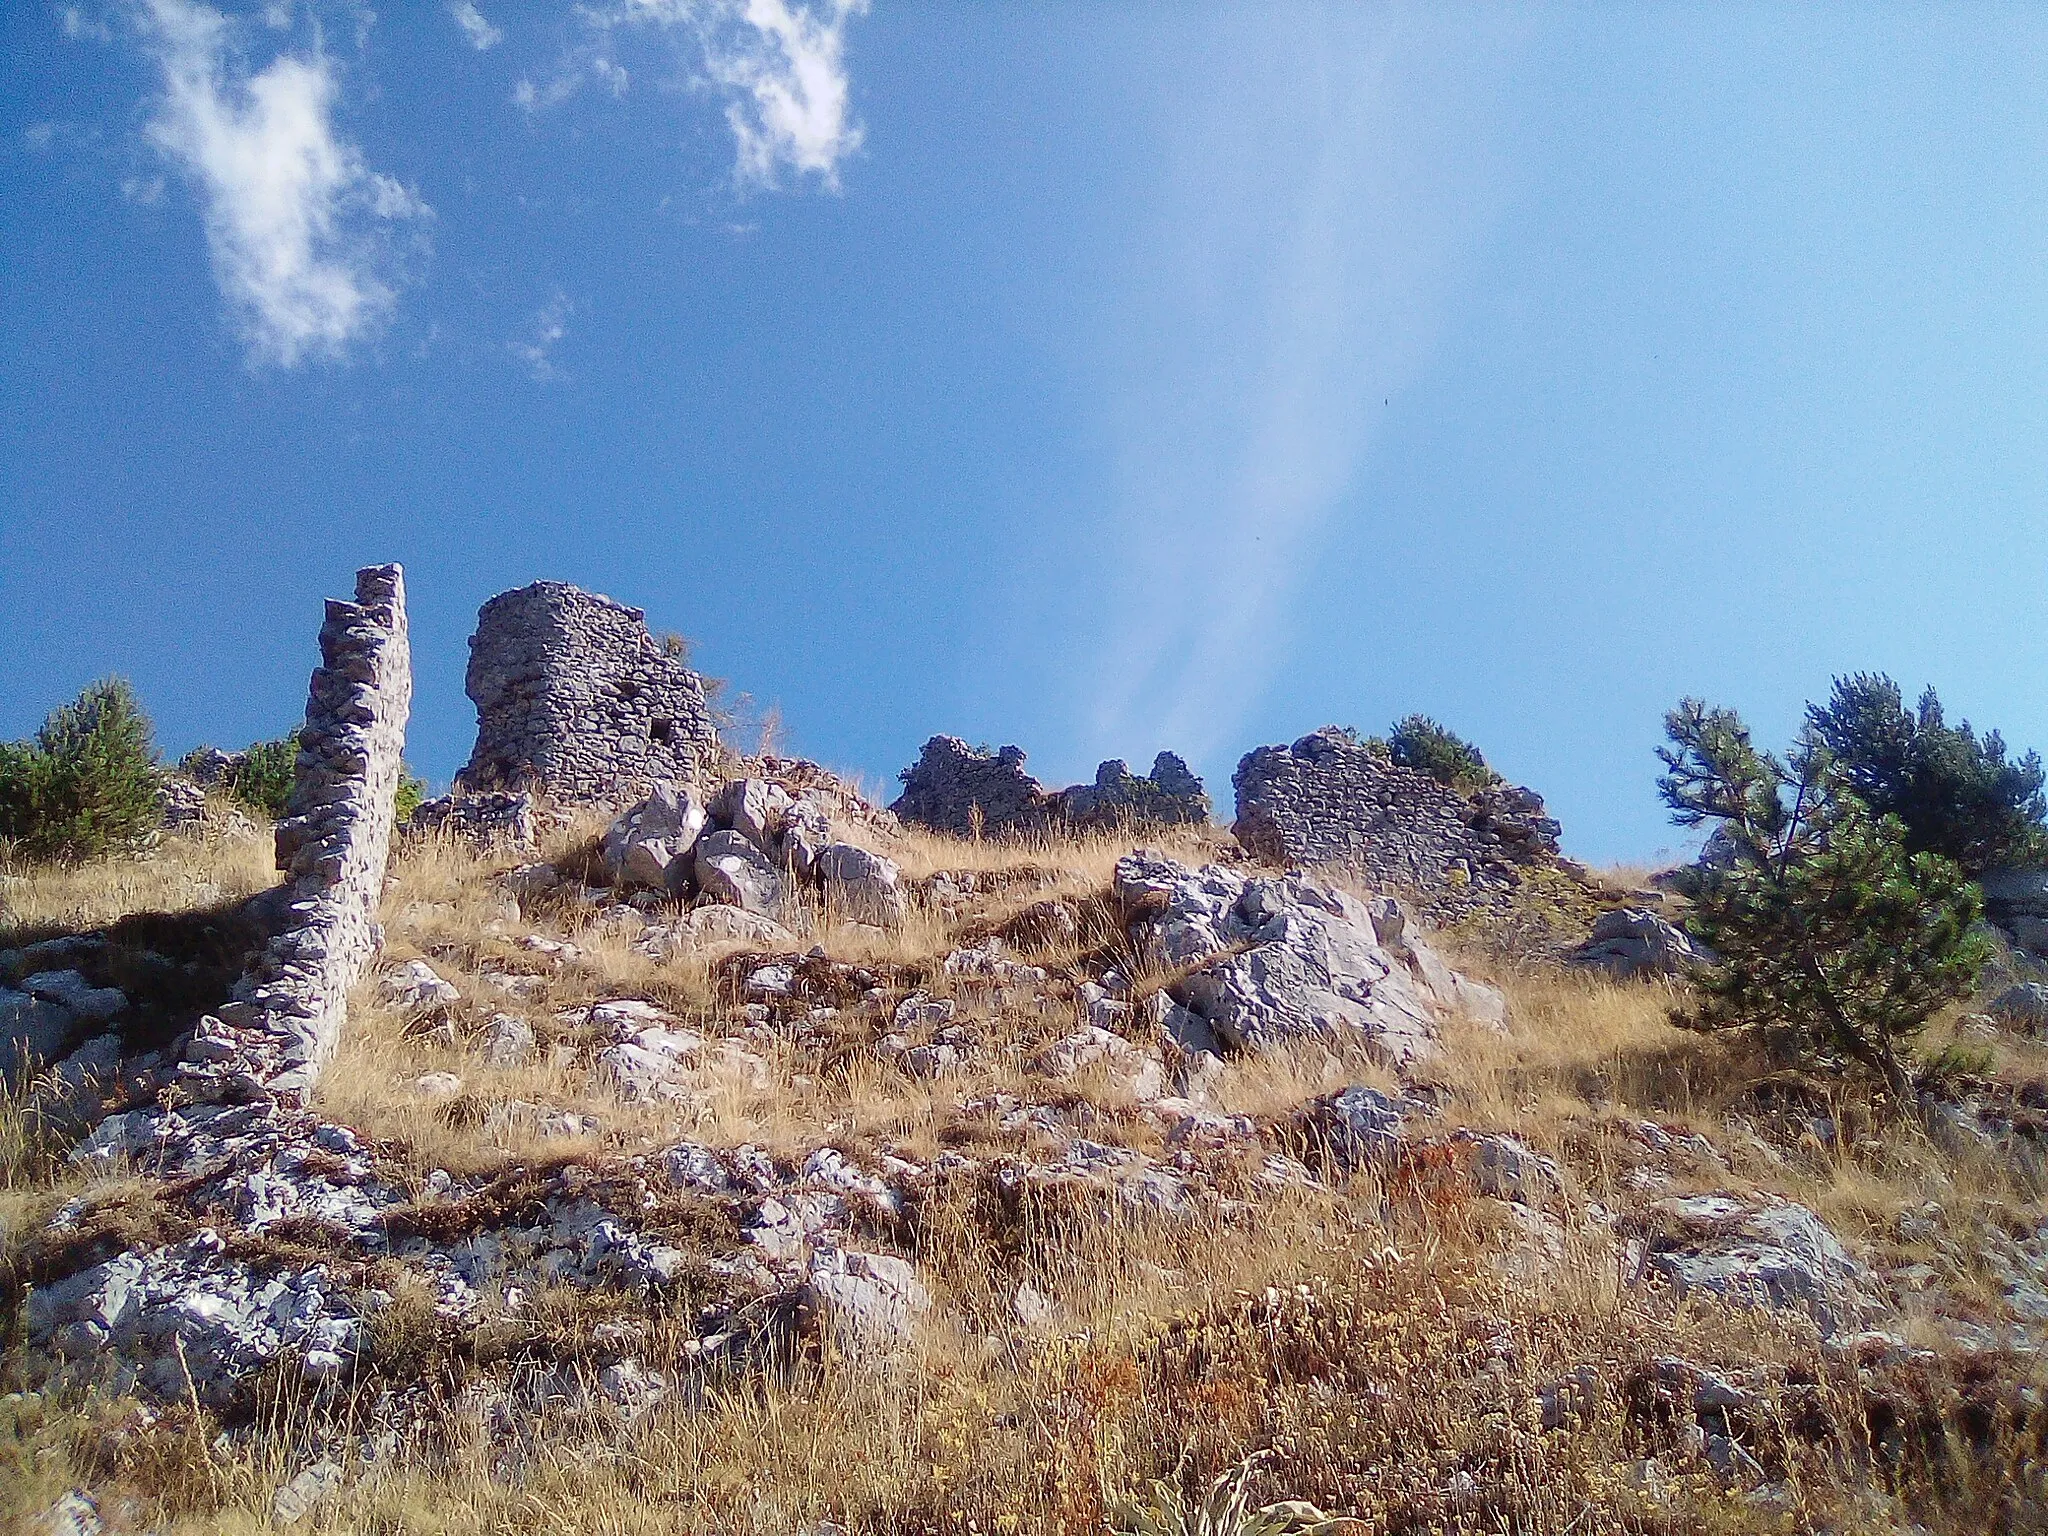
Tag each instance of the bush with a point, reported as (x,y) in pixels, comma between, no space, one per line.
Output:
(1836,942)
(263,779)
(411,791)
(1955,792)
(1419,742)
(87,784)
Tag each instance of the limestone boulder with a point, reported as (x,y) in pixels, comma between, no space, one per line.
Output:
(45,1015)
(733,871)
(1281,959)
(733,925)
(1632,942)
(754,808)
(1760,1251)
(872,1301)
(859,886)
(651,844)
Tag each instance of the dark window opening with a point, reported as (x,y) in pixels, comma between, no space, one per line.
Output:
(663,731)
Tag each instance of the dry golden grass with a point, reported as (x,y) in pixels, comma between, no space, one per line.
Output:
(180,874)
(1386,1344)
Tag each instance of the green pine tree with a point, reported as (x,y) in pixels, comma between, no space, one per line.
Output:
(1836,942)
(87,783)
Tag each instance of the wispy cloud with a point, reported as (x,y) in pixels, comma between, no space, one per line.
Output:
(550,325)
(297,223)
(480,32)
(1291,278)
(779,65)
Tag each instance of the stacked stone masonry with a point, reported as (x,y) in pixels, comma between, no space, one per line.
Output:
(953,786)
(1327,800)
(576,700)
(334,839)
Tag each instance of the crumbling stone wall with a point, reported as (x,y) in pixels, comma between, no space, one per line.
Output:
(1169,796)
(575,699)
(334,839)
(950,779)
(1326,800)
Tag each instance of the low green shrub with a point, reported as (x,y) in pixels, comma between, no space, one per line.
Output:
(87,783)
(1420,743)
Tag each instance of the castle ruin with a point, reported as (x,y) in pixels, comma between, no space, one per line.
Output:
(576,700)
(1330,800)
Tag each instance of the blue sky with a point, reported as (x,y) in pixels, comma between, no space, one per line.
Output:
(1098,378)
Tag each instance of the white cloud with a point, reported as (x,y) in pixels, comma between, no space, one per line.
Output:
(78,24)
(780,65)
(550,325)
(481,33)
(296,221)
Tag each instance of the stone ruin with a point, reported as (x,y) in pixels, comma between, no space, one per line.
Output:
(577,701)
(951,780)
(1328,800)
(335,836)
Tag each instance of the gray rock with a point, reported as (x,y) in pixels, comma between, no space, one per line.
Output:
(72,992)
(416,984)
(298,1498)
(1283,959)
(193,1321)
(508,1040)
(730,869)
(859,886)
(74,1514)
(2023,1006)
(952,784)
(1760,1251)
(1356,1127)
(732,925)
(1506,1169)
(873,1301)
(33,1033)
(650,845)
(1170,796)
(1631,942)
(806,829)
(755,809)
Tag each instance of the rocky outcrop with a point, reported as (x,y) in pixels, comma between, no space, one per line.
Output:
(952,781)
(751,848)
(958,789)
(576,699)
(1329,799)
(1630,942)
(331,844)
(1272,960)
(1761,1251)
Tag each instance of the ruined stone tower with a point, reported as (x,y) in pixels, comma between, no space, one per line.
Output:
(575,699)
